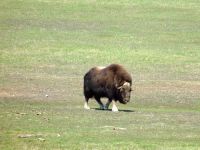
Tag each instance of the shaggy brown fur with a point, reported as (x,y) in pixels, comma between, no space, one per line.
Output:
(106,82)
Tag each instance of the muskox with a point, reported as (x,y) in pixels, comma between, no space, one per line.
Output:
(112,82)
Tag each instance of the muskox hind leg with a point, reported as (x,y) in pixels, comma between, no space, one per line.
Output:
(99,102)
(86,103)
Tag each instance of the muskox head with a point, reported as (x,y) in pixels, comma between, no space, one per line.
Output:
(125,92)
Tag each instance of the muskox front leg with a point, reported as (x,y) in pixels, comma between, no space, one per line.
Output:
(114,107)
(108,104)
(99,102)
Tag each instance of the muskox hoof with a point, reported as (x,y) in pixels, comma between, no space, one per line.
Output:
(105,108)
(102,107)
(114,109)
(86,106)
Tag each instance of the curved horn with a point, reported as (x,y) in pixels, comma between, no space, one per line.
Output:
(119,87)
(125,84)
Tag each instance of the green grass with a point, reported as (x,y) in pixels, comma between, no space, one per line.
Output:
(80,129)
(46,46)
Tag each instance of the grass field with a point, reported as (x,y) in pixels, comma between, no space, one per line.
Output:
(46,46)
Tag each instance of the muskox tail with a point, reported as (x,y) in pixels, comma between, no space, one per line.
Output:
(86,87)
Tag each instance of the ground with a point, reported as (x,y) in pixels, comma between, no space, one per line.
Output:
(46,47)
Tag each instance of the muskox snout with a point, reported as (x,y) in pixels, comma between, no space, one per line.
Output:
(126,101)
(127,98)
